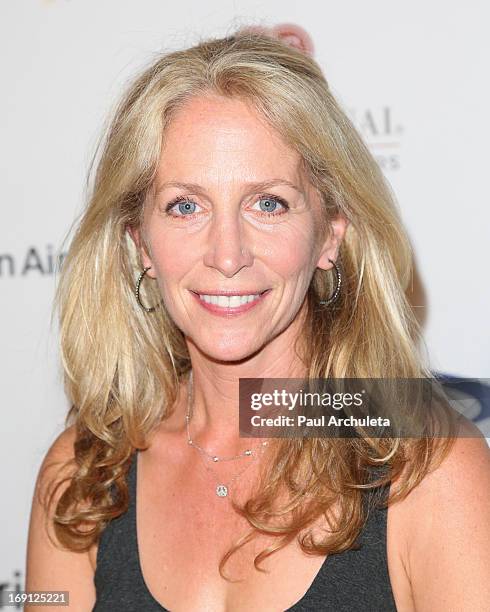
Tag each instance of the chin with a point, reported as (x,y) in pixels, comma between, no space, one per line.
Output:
(227,349)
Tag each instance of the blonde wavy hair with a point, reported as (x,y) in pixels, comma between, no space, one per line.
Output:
(122,367)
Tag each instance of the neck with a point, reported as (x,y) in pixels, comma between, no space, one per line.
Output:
(214,407)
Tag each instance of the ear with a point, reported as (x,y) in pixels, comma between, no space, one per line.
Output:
(146,261)
(330,248)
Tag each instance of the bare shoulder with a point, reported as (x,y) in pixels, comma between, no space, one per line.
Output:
(447,523)
(50,566)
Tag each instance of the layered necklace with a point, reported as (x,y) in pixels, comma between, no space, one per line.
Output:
(221,489)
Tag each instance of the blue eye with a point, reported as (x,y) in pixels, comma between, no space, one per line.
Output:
(268,205)
(186,207)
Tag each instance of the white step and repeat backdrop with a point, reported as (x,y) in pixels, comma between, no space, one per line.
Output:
(414,78)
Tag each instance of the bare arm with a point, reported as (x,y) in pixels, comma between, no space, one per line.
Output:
(449,545)
(50,568)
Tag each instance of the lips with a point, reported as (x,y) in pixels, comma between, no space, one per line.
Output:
(229,303)
(229,292)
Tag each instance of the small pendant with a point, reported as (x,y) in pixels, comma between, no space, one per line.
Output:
(221,490)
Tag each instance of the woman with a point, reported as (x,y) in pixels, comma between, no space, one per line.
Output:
(238,228)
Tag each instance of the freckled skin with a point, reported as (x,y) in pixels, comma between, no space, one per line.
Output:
(228,242)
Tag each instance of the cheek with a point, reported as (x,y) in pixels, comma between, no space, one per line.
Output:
(292,256)
(171,261)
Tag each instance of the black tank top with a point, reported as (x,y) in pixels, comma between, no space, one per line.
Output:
(350,581)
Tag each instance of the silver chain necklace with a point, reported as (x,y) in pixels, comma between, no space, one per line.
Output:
(222,489)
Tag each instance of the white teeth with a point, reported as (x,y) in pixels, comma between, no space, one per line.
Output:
(229,301)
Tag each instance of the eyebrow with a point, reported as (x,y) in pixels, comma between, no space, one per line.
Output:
(251,186)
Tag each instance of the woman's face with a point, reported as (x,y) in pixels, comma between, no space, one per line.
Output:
(232,213)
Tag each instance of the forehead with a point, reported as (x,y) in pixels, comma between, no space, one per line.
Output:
(225,137)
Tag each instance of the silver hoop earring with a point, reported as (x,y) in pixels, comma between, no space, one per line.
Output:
(137,292)
(336,292)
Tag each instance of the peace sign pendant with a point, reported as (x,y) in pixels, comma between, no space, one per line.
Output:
(221,490)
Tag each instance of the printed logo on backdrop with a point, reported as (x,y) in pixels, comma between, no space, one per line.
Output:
(34,261)
(382,132)
(378,126)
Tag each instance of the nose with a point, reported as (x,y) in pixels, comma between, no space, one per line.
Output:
(227,250)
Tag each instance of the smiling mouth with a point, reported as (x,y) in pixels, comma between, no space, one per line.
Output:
(229,300)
